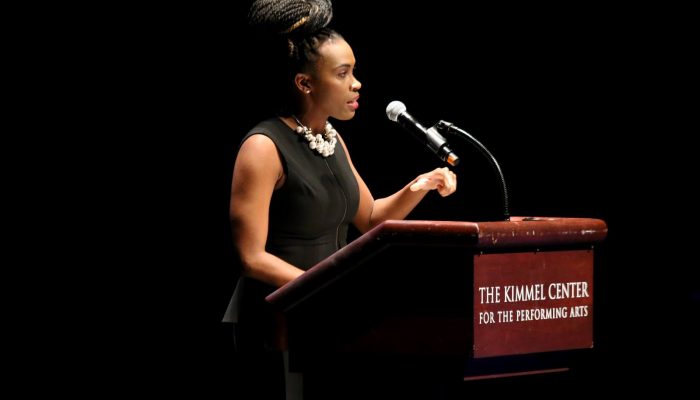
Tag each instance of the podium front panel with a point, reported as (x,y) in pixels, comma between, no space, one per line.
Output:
(531,302)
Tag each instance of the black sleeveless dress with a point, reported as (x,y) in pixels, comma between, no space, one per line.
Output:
(309,218)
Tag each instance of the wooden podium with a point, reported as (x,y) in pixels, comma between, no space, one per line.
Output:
(480,299)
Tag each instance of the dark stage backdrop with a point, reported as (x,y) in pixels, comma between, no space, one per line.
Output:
(567,100)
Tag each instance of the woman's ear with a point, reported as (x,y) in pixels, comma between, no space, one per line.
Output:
(303,83)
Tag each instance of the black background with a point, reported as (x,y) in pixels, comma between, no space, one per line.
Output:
(581,107)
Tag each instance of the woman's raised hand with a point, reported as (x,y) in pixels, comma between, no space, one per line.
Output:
(442,179)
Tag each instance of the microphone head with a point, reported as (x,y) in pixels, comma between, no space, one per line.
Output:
(394,109)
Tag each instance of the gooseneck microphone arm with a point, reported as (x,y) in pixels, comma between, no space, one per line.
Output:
(449,127)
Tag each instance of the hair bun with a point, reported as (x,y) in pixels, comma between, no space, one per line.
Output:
(290,17)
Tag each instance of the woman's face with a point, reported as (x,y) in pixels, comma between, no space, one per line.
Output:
(334,87)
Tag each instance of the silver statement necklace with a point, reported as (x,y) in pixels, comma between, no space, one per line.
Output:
(323,144)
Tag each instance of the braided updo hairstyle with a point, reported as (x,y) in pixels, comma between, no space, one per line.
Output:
(296,29)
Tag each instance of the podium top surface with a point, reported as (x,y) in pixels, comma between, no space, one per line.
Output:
(519,232)
(543,231)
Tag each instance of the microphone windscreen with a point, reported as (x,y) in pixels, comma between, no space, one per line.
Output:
(394,109)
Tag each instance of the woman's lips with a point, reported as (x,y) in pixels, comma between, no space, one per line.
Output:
(353,103)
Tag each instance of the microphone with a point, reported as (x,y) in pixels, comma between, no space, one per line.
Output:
(396,111)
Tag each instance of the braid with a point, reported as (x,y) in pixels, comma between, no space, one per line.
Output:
(291,17)
(301,23)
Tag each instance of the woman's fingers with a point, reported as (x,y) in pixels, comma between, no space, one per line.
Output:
(450,183)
